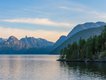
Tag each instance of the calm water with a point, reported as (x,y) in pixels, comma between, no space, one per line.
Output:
(45,67)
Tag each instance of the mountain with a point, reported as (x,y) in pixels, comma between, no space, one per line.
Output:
(12,42)
(31,42)
(59,41)
(87,49)
(76,29)
(85,26)
(1,40)
(24,45)
(83,34)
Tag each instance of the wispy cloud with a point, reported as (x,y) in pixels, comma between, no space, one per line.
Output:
(38,21)
(88,12)
(96,14)
(64,7)
(73,8)
(19,33)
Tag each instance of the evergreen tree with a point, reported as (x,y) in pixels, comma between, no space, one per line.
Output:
(91,49)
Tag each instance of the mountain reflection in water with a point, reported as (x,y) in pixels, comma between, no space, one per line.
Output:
(45,67)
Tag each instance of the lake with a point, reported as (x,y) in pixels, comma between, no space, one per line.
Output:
(45,67)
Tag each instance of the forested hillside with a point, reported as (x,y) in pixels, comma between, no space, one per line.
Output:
(91,49)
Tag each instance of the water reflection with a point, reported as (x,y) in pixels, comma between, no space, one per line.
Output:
(90,71)
(28,67)
(45,67)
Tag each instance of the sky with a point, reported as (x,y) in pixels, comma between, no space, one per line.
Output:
(48,19)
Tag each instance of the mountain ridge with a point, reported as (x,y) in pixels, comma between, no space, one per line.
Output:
(84,26)
(81,28)
(13,44)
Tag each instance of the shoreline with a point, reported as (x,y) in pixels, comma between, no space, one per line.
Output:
(85,61)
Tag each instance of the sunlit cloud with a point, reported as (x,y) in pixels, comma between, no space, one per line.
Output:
(38,21)
(19,33)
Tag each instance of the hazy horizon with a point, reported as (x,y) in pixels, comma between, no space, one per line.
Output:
(48,19)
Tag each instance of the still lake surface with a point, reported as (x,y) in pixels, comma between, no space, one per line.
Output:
(45,67)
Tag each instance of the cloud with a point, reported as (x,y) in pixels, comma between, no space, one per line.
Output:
(19,33)
(73,8)
(99,15)
(87,12)
(38,21)
(64,7)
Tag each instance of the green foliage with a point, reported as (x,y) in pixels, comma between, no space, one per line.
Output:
(102,55)
(90,49)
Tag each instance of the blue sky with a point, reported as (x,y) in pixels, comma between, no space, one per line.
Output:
(47,19)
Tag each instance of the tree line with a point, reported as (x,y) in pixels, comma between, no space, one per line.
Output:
(93,48)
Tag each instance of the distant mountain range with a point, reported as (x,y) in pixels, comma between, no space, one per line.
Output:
(25,45)
(81,31)
(31,45)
